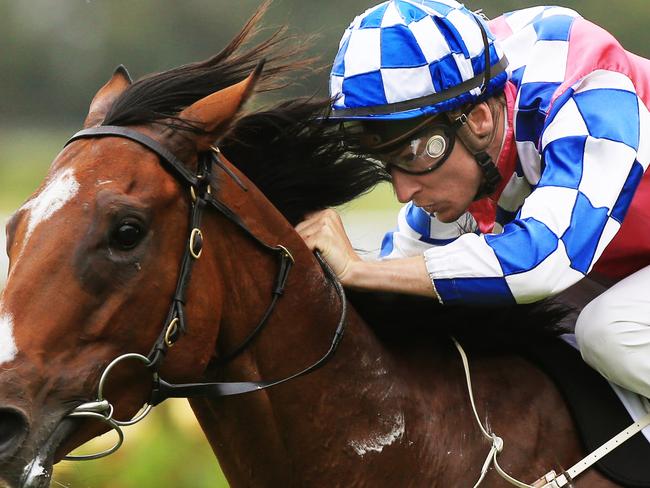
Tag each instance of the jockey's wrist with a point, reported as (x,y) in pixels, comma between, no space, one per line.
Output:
(405,275)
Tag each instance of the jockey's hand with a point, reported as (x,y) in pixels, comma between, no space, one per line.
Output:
(324,231)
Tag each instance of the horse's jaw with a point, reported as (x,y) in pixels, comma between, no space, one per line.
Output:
(38,471)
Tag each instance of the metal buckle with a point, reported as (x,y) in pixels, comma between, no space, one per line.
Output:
(461,120)
(208,190)
(172,328)
(286,252)
(196,234)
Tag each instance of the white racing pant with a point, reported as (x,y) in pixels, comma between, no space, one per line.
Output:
(613,333)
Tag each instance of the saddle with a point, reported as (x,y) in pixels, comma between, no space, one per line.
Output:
(597,411)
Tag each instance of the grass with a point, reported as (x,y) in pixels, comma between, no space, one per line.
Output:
(166,449)
(25,156)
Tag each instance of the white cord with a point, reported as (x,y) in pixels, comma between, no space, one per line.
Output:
(497,442)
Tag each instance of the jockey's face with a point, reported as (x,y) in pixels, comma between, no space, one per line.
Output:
(446,191)
(430,165)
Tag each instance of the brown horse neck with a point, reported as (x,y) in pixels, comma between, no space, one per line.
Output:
(375,407)
(267,434)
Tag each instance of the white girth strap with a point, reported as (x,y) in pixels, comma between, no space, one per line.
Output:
(550,480)
(609,446)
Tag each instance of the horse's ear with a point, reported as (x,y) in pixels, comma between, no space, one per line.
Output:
(213,113)
(106,96)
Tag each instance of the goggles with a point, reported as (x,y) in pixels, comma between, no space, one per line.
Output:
(423,154)
(415,147)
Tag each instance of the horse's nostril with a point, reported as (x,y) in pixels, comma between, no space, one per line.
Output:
(13,428)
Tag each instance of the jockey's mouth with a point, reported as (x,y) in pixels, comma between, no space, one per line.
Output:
(431,208)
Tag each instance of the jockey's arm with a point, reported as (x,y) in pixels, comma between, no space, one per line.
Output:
(324,231)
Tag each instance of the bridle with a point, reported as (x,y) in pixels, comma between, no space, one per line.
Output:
(175,324)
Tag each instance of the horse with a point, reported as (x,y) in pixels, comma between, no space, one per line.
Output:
(104,253)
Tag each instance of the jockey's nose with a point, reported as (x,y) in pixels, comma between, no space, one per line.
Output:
(405,186)
(13,429)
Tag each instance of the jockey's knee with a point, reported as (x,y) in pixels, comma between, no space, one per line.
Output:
(617,348)
(596,334)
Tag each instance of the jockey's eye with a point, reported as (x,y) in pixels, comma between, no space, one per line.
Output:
(127,235)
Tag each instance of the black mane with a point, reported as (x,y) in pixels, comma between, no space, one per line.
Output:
(159,97)
(398,318)
(301,163)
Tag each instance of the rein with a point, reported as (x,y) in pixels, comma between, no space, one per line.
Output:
(175,323)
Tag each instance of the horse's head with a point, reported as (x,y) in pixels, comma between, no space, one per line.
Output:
(94,256)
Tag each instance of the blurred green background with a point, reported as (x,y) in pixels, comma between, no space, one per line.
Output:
(55,54)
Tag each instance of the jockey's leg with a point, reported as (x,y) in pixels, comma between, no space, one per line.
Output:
(613,332)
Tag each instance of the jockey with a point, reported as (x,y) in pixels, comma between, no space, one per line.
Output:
(519,147)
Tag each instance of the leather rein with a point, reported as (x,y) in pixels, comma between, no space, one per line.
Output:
(175,323)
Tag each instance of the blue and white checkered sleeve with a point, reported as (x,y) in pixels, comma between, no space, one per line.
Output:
(418,231)
(590,173)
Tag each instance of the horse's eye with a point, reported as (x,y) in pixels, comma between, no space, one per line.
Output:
(127,235)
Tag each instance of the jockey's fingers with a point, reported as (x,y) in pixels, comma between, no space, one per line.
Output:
(321,242)
(306,226)
(328,214)
(309,228)
(332,217)
(321,223)
(310,219)
(311,243)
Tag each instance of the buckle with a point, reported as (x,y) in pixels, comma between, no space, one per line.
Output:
(196,243)
(461,120)
(286,252)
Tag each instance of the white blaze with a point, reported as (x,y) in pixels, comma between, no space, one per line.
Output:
(60,190)
(8,348)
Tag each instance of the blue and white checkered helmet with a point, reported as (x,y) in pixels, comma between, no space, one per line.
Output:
(407,58)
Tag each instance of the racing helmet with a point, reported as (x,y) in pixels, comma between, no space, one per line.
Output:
(404,59)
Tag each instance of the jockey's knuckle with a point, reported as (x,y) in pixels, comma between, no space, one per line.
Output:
(331,215)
